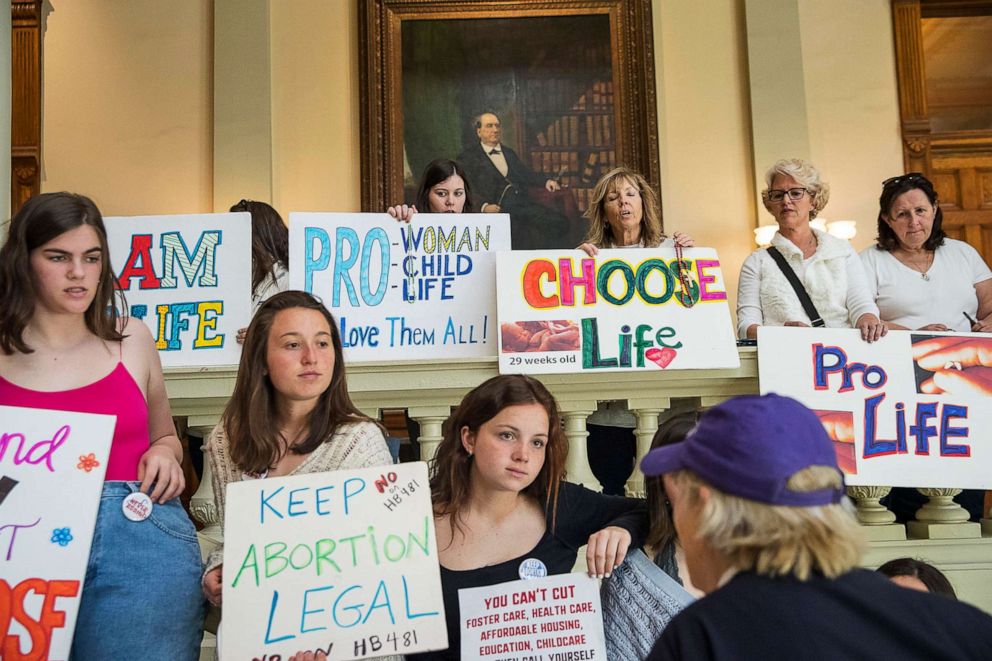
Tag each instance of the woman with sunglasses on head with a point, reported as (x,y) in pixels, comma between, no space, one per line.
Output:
(920,278)
(64,347)
(923,280)
(502,508)
(827,269)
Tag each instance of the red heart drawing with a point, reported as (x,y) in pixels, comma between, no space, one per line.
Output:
(661,357)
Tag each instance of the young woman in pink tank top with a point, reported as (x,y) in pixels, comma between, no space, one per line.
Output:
(63,346)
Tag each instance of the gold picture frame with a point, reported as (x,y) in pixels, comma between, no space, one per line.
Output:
(573,82)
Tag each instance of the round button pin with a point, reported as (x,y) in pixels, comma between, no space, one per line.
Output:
(532,568)
(137,506)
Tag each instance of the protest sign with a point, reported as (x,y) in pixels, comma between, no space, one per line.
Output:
(188,277)
(403,291)
(52,465)
(343,562)
(621,310)
(913,409)
(558,617)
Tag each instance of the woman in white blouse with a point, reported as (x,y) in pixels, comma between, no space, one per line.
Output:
(920,279)
(827,267)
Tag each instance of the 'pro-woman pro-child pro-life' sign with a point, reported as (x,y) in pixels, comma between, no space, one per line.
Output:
(913,409)
(621,310)
(403,291)
(342,562)
(52,465)
(189,279)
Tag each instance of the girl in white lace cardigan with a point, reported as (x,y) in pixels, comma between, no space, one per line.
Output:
(290,412)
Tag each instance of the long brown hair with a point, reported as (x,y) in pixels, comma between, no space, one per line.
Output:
(41,219)
(251,420)
(269,241)
(437,171)
(452,465)
(662,529)
(600,233)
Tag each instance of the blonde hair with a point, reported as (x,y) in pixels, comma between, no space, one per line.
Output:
(779,540)
(804,173)
(600,233)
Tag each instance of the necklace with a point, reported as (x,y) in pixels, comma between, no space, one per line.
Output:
(923,269)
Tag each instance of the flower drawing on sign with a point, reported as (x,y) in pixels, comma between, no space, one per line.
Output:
(87,462)
(61,536)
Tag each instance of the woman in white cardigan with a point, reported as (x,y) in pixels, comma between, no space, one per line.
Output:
(828,267)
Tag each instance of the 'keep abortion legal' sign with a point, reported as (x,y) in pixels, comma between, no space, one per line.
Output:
(621,310)
(342,562)
(913,409)
(558,617)
(188,278)
(52,465)
(403,291)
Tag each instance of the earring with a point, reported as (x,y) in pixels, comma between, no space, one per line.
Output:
(470,454)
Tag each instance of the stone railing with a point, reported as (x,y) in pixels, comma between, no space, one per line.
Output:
(428,390)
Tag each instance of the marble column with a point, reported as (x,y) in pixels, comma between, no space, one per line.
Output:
(942,518)
(878,521)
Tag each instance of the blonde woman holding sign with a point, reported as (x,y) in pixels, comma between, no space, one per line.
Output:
(502,509)
(63,347)
(624,213)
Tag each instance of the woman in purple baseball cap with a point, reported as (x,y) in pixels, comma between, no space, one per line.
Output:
(758,503)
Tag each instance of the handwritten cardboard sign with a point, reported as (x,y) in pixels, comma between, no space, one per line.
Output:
(558,617)
(622,310)
(52,465)
(911,410)
(189,279)
(403,291)
(343,562)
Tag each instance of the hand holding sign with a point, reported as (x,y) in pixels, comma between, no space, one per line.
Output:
(309,656)
(213,585)
(961,365)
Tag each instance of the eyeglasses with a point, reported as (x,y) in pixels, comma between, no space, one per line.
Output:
(910,176)
(795,194)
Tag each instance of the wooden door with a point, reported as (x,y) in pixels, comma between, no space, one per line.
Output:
(944,65)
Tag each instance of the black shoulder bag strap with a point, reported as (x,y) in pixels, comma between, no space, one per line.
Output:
(793,279)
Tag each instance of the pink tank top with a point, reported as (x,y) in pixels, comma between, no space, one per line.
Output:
(115,394)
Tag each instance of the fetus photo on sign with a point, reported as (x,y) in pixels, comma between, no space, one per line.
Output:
(529,336)
(840,429)
(953,364)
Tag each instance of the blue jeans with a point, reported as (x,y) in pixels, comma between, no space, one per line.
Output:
(142,597)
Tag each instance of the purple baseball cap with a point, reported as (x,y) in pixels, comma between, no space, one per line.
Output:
(749,447)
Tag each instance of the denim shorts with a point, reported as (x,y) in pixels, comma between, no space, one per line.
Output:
(142,597)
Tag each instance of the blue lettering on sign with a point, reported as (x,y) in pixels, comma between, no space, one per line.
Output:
(344,236)
(376,235)
(310,263)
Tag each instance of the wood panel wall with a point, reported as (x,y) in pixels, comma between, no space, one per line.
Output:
(25,112)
